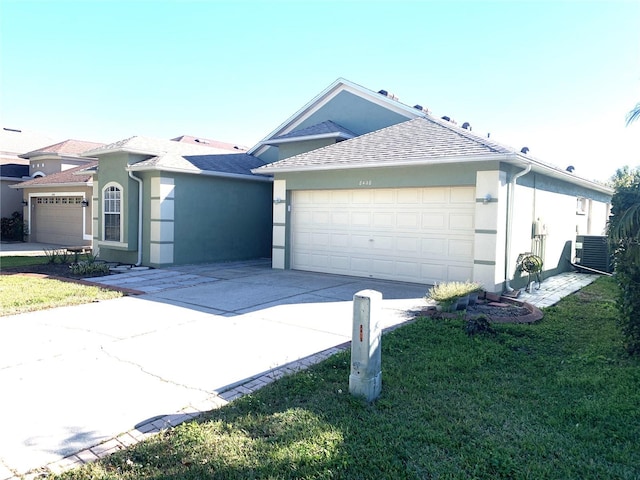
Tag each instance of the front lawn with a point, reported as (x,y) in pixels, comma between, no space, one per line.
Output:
(21,293)
(553,400)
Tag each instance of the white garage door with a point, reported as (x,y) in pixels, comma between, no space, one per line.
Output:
(57,220)
(422,235)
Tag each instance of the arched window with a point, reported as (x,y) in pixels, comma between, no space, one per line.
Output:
(112,214)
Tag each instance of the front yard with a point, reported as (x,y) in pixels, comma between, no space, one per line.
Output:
(557,399)
(27,293)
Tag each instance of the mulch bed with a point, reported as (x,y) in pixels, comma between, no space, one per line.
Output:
(496,308)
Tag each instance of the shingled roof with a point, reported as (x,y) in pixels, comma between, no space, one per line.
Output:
(73,176)
(413,141)
(226,164)
(68,147)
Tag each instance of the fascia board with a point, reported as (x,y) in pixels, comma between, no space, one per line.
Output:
(52,185)
(394,163)
(513,159)
(237,176)
(132,151)
(540,167)
(324,97)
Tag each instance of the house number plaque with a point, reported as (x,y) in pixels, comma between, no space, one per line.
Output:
(364,183)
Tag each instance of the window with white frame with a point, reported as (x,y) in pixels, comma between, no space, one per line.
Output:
(112,196)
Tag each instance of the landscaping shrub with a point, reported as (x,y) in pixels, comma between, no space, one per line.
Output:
(12,228)
(624,238)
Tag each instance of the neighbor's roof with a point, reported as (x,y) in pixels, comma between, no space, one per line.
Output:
(154,146)
(72,176)
(67,148)
(16,141)
(421,141)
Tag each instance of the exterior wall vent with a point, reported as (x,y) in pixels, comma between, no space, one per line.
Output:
(592,251)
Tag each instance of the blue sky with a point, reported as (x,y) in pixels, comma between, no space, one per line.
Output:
(558,77)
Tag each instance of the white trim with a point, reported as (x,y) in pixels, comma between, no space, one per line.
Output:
(122,202)
(50,185)
(33,195)
(106,243)
(38,174)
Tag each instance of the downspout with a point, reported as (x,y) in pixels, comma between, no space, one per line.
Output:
(511,200)
(139,217)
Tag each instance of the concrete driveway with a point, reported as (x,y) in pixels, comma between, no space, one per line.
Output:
(81,381)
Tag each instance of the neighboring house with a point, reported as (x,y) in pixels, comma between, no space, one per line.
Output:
(167,202)
(13,169)
(367,186)
(57,196)
(57,206)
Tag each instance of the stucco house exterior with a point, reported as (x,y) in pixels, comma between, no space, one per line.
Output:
(365,185)
(169,202)
(56,197)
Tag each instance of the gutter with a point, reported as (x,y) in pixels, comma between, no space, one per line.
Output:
(139,216)
(510,202)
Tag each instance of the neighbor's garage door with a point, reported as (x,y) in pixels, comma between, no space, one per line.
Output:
(57,220)
(422,235)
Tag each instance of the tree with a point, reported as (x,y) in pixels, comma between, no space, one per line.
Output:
(624,238)
(634,114)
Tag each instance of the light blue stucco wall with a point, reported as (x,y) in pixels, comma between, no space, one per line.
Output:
(219,219)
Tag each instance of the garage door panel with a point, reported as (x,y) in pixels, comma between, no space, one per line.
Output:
(339,240)
(361,197)
(412,234)
(433,220)
(384,220)
(361,219)
(340,218)
(459,221)
(434,246)
(410,220)
(461,249)
(408,246)
(463,195)
(384,197)
(409,196)
(434,195)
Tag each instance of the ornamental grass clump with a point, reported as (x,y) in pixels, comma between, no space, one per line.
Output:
(448,293)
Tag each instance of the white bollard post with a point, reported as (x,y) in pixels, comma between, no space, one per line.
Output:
(365,379)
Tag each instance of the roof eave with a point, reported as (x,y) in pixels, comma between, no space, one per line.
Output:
(88,183)
(500,157)
(208,173)
(510,158)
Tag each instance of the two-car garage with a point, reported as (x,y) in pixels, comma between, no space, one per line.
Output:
(423,235)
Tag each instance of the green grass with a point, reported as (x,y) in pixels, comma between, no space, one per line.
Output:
(9,262)
(553,400)
(20,294)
